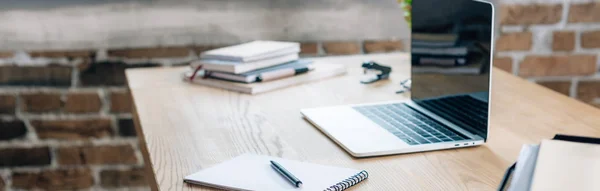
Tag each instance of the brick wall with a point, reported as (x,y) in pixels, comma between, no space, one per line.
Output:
(44,24)
(553,43)
(65,120)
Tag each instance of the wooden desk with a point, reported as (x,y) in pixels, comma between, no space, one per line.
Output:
(184,128)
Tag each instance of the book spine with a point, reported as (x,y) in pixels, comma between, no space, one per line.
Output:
(454,51)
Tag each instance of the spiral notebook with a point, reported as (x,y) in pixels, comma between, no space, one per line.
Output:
(253,172)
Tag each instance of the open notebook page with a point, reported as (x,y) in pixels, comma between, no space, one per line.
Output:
(253,172)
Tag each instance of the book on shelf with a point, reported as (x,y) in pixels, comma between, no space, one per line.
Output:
(252,51)
(265,74)
(441,51)
(435,37)
(473,64)
(434,40)
(236,67)
(439,61)
(466,69)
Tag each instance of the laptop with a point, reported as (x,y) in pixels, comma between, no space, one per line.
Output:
(451,57)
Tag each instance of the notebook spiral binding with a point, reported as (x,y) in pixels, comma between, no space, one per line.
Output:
(349,182)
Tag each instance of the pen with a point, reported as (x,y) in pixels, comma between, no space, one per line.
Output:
(278,74)
(289,176)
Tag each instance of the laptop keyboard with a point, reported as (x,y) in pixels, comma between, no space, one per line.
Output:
(464,109)
(409,125)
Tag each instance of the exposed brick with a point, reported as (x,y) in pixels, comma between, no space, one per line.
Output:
(70,156)
(309,48)
(11,157)
(12,130)
(514,41)
(6,54)
(584,13)
(587,91)
(60,179)
(51,75)
(83,103)
(504,63)
(8,103)
(41,102)
(590,39)
(73,129)
(563,41)
(106,73)
(572,65)
(157,52)
(120,102)
(81,66)
(122,154)
(62,53)
(560,87)
(341,48)
(126,128)
(530,14)
(123,178)
(383,46)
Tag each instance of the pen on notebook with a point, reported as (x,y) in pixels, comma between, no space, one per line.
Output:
(289,176)
(278,74)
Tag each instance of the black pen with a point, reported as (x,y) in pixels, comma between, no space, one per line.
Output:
(283,73)
(289,176)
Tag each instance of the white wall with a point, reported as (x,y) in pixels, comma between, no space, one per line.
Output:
(75,24)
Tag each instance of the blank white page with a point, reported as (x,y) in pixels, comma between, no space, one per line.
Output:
(254,172)
(251,49)
(563,165)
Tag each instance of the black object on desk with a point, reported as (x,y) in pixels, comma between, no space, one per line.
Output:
(289,176)
(384,71)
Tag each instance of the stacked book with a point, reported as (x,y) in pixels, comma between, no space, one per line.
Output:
(256,67)
(443,53)
(564,163)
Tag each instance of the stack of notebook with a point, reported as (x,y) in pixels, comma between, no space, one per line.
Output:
(564,163)
(257,67)
(439,50)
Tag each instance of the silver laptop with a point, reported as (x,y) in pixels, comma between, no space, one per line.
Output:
(449,106)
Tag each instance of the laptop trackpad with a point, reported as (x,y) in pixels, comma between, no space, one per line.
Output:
(353,130)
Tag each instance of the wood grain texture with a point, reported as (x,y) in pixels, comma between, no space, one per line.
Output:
(185,128)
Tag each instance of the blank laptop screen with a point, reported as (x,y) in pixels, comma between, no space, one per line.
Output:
(450,48)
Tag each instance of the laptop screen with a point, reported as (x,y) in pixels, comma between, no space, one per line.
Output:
(451,59)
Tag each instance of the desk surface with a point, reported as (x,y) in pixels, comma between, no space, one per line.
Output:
(184,128)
